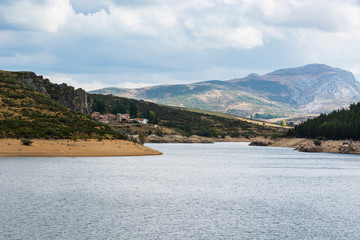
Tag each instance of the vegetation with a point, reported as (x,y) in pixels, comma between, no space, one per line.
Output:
(159,133)
(339,124)
(267,116)
(142,138)
(188,130)
(26,113)
(151,116)
(26,142)
(133,110)
(117,108)
(190,121)
(317,142)
(98,106)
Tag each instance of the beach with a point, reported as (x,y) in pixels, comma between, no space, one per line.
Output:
(71,148)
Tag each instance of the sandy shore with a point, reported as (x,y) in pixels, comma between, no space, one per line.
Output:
(69,148)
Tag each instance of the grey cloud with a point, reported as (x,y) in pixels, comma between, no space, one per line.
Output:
(177,40)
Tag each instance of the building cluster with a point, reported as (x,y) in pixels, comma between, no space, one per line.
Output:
(125,118)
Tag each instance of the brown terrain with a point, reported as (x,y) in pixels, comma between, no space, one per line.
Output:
(70,148)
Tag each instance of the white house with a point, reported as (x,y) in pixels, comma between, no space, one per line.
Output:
(141,120)
(123,117)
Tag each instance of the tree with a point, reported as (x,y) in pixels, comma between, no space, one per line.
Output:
(98,106)
(133,110)
(118,108)
(283,123)
(142,138)
(188,130)
(152,117)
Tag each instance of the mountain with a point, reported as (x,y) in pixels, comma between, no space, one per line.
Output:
(311,89)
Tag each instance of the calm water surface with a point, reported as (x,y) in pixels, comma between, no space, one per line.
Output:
(193,191)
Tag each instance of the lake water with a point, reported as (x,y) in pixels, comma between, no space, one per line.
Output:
(193,191)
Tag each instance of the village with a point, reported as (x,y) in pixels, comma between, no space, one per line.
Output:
(122,118)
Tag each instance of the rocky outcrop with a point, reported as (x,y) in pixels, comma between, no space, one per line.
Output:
(174,138)
(348,147)
(76,99)
(308,147)
(259,143)
(31,80)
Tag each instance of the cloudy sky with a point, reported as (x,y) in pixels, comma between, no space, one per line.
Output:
(133,43)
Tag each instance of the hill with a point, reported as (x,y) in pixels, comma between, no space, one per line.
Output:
(339,124)
(201,123)
(33,107)
(311,89)
(29,113)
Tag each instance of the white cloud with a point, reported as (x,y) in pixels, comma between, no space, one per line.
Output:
(90,82)
(325,15)
(159,41)
(217,38)
(45,15)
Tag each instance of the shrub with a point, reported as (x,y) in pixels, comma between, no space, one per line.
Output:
(235,134)
(26,142)
(159,133)
(142,138)
(317,142)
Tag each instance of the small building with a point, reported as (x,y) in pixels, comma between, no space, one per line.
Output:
(123,117)
(141,120)
(95,115)
(111,117)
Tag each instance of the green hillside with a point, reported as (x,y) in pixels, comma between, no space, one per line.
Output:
(202,123)
(340,124)
(33,107)
(26,113)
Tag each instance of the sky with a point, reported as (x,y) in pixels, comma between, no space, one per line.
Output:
(135,43)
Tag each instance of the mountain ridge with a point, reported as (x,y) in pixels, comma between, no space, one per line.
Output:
(309,89)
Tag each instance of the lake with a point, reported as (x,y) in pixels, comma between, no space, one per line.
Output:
(193,191)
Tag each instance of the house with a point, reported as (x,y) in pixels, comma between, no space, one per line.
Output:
(123,117)
(110,117)
(95,115)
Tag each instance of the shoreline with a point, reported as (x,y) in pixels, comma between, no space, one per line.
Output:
(308,145)
(69,148)
(299,144)
(121,148)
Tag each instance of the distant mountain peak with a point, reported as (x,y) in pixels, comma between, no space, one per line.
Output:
(310,69)
(253,75)
(312,88)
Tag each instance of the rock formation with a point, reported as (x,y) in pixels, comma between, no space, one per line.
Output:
(76,99)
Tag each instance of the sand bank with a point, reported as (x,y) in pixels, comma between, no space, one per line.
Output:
(70,148)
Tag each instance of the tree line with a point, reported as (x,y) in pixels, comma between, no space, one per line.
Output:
(104,106)
(339,124)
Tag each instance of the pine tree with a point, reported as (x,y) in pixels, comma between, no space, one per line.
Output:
(133,110)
